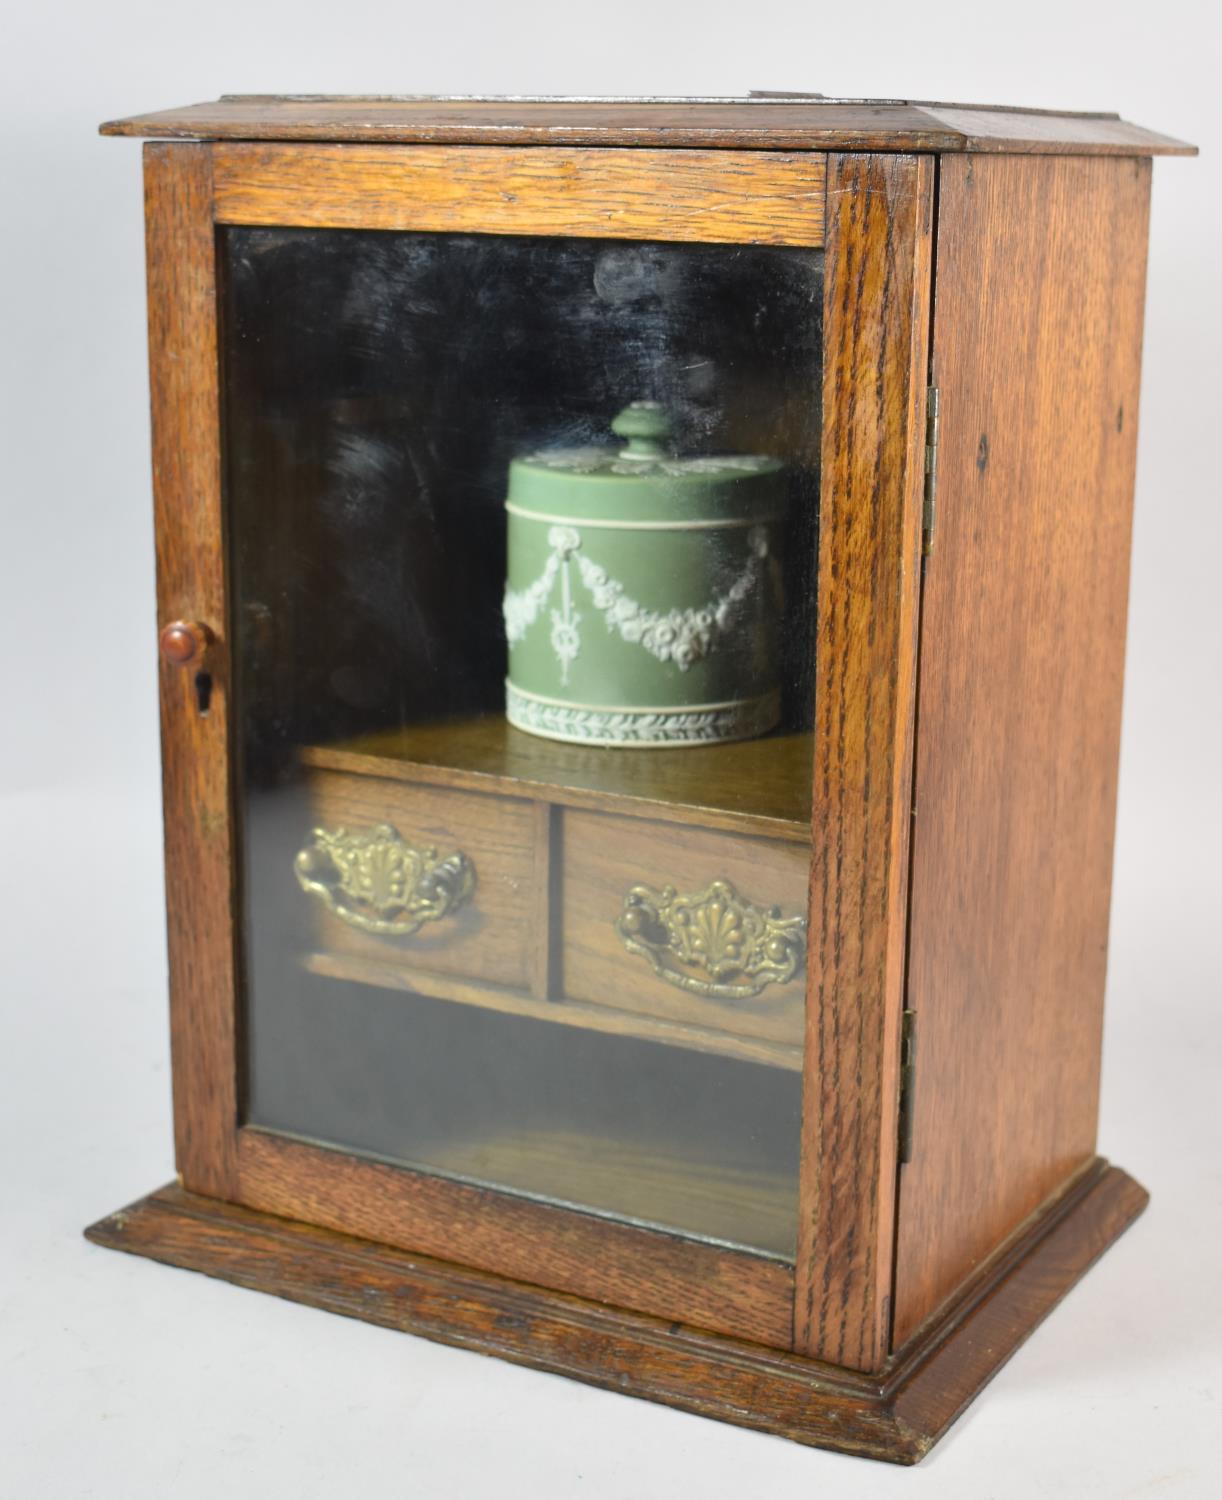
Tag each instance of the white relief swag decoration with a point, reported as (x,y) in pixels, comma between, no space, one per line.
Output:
(683,636)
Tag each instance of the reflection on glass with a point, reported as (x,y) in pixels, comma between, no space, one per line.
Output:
(534,955)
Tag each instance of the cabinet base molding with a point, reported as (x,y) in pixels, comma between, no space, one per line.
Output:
(897,1415)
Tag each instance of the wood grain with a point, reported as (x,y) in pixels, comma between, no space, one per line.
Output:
(594,1016)
(1003,1314)
(647,1270)
(758,787)
(492,936)
(1041,270)
(896,1416)
(729,197)
(199,837)
(605,857)
(1034,132)
(834,125)
(644,1182)
(876,320)
(544,876)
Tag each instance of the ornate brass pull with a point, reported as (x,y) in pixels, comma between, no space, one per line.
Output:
(735,949)
(376,882)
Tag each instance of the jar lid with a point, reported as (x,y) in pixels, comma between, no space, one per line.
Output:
(647,427)
(643,480)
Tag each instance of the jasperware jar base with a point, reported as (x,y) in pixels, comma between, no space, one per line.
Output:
(641,728)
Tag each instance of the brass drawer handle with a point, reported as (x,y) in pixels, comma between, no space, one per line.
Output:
(713,943)
(375,881)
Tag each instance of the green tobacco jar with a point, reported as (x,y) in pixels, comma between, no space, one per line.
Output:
(643,604)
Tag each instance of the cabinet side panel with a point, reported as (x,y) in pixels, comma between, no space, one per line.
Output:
(191,586)
(1037,340)
(876,328)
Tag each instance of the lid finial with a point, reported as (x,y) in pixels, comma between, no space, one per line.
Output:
(646,426)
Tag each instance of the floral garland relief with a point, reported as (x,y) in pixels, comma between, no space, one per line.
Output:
(682,636)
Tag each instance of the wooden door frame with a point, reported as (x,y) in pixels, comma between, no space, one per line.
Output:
(876,306)
(876,326)
(188,506)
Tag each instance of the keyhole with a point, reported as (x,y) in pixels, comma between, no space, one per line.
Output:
(203,692)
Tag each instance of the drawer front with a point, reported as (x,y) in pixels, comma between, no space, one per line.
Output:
(694,926)
(420,878)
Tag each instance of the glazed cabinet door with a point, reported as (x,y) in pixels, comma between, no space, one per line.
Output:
(488,499)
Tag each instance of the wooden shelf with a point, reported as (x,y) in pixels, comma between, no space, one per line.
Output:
(637,1024)
(760,787)
(641,1181)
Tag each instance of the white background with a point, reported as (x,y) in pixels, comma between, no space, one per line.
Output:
(120,1378)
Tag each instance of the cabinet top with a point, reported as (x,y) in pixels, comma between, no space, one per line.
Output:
(794,122)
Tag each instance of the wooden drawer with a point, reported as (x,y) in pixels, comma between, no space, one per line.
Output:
(470,908)
(618,914)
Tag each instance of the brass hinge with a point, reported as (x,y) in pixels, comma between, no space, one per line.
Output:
(929,509)
(907,1070)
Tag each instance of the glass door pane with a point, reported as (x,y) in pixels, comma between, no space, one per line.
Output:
(525,787)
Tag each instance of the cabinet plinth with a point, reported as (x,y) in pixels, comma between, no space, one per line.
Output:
(895,1416)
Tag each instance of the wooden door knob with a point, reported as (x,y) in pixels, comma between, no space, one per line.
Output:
(184,643)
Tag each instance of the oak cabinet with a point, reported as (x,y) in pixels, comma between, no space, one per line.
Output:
(754,1072)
